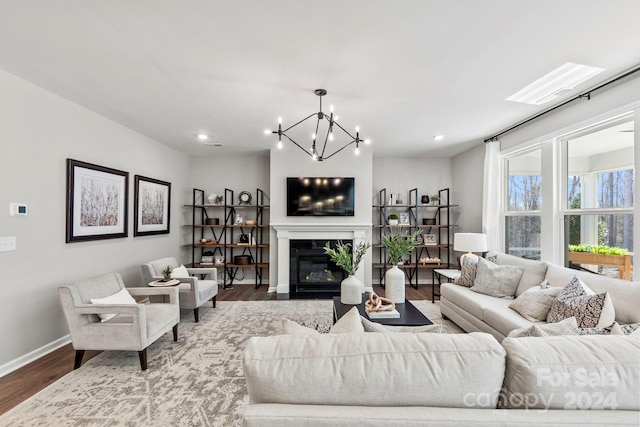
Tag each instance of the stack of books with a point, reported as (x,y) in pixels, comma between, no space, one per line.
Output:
(392,314)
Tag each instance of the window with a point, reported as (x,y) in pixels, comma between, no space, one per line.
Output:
(600,197)
(523,204)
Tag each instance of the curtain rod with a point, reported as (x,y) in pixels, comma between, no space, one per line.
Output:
(586,94)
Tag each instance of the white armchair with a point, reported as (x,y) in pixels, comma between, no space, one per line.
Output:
(133,328)
(194,292)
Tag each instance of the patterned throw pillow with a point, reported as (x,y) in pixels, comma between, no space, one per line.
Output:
(630,329)
(496,280)
(576,299)
(534,304)
(370,326)
(467,272)
(565,327)
(613,329)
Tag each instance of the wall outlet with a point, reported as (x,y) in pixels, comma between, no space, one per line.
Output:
(7,243)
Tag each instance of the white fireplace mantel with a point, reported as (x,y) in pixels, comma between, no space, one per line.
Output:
(285,232)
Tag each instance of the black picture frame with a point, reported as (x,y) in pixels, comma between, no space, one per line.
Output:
(152,206)
(97,202)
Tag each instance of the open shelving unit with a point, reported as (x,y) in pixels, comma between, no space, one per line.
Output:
(414,213)
(223,239)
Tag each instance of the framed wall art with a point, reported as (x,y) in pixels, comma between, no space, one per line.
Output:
(430,239)
(97,202)
(152,210)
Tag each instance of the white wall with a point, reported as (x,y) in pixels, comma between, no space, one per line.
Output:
(38,132)
(468,170)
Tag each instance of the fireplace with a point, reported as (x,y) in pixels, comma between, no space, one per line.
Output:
(311,271)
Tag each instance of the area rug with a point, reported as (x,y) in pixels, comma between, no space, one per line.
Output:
(196,381)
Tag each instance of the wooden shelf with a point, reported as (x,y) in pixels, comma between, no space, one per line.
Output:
(254,265)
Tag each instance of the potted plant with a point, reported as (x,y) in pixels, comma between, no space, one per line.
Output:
(602,255)
(218,200)
(393,219)
(398,246)
(349,260)
(435,199)
(166,272)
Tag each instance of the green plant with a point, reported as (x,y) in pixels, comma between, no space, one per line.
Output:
(167,271)
(399,245)
(598,249)
(219,199)
(345,258)
(393,216)
(434,199)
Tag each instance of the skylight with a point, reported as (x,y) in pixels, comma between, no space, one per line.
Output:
(557,83)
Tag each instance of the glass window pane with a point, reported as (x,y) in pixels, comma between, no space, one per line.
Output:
(601,235)
(524,183)
(601,168)
(523,236)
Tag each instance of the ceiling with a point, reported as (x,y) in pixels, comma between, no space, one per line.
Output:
(403,70)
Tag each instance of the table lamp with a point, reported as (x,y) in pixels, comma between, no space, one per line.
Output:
(469,242)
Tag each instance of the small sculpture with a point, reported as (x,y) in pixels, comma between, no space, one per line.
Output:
(377,303)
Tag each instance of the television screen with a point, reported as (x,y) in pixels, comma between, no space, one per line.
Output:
(326,196)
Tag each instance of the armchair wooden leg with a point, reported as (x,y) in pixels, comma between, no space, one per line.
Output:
(195,314)
(143,359)
(78,361)
(175,332)
(214,301)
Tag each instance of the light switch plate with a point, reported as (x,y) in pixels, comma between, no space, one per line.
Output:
(7,243)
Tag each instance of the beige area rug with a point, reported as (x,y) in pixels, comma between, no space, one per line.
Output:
(196,381)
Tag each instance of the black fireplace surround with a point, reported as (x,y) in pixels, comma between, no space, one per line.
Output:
(312,274)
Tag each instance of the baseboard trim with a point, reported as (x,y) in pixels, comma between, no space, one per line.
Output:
(34,355)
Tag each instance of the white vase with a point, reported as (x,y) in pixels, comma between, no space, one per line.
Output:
(351,290)
(394,285)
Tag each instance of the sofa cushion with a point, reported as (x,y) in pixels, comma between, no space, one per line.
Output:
(503,319)
(466,299)
(572,372)
(496,280)
(564,327)
(534,271)
(534,304)
(370,326)
(375,369)
(624,294)
(590,310)
(467,271)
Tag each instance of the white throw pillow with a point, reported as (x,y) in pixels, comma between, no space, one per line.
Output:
(121,297)
(534,303)
(564,327)
(289,327)
(348,323)
(179,272)
(370,326)
(496,280)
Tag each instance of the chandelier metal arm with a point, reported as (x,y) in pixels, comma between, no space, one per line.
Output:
(298,145)
(337,151)
(306,118)
(344,130)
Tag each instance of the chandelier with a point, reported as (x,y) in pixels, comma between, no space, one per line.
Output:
(320,149)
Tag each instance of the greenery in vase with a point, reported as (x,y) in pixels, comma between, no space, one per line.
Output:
(219,199)
(167,271)
(345,258)
(435,199)
(399,245)
(598,249)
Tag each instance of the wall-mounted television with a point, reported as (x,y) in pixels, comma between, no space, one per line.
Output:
(320,196)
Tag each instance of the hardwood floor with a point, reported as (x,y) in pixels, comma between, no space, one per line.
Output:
(28,380)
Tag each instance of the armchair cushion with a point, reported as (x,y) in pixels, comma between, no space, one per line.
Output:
(120,297)
(180,272)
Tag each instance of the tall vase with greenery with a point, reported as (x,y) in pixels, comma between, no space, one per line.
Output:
(398,246)
(351,289)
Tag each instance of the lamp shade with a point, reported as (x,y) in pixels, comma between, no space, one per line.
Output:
(470,242)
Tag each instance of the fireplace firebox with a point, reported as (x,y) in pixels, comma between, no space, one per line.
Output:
(312,274)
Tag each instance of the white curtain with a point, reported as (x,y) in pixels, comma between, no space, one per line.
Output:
(492,195)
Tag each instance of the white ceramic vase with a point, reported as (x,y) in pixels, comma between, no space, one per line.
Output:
(394,285)
(351,290)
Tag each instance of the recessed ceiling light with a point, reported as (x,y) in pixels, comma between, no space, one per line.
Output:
(438,137)
(203,136)
(557,83)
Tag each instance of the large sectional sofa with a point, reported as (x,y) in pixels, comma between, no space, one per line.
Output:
(479,378)
(476,312)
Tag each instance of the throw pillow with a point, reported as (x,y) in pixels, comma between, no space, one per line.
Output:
(290,327)
(535,304)
(565,327)
(348,323)
(496,280)
(613,329)
(370,326)
(119,298)
(590,310)
(467,272)
(630,329)
(179,272)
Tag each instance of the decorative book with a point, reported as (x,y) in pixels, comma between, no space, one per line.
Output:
(393,314)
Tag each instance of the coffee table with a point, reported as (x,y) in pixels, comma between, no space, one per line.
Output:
(409,314)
